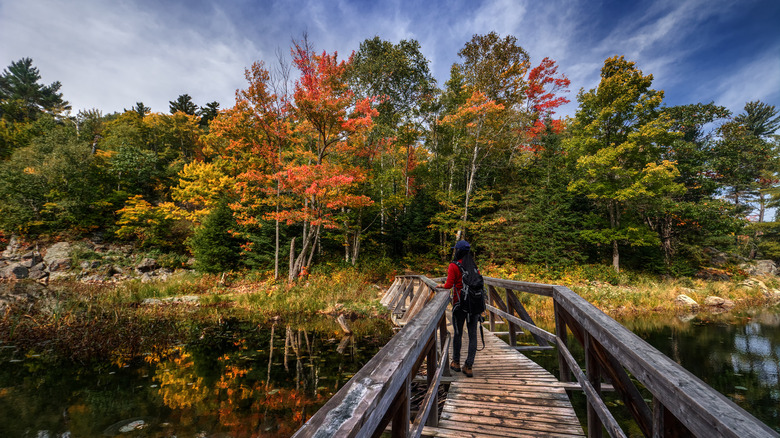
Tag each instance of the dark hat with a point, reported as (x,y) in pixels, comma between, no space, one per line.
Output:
(462,244)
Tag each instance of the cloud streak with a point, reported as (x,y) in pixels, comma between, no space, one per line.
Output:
(108,55)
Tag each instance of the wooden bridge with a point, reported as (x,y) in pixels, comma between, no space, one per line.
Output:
(510,395)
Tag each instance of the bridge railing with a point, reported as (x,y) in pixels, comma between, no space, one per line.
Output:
(682,405)
(380,393)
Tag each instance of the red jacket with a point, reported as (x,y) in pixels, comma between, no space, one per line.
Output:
(454,278)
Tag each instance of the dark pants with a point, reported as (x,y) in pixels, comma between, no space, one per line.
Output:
(458,318)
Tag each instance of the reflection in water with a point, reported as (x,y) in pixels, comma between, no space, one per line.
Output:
(231,380)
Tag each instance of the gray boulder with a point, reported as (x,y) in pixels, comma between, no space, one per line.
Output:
(760,268)
(686,301)
(14,246)
(38,272)
(57,257)
(713,301)
(147,265)
(14,271)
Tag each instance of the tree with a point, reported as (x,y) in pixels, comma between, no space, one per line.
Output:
(759,119)
(208,112)
(320,181)
(184,104)
(485,126)
(620,135)
(22,98)
(140,109)
(496,67)
(398,77)
(214,244)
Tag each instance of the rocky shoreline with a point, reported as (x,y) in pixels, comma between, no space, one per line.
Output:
(85,261)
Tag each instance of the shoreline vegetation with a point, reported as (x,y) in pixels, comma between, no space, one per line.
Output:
(82,321)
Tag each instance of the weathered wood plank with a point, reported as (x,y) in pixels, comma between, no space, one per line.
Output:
(522,286)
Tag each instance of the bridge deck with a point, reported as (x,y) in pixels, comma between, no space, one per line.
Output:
(509,396)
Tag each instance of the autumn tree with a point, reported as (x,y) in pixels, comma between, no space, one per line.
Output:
(486,122)
(319,182)
(619,136)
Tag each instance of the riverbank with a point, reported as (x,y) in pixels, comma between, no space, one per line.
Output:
(71,313)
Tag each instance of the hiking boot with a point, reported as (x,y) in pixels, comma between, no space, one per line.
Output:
(467,371)
(454,366)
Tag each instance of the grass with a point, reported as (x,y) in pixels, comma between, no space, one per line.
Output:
(627,294)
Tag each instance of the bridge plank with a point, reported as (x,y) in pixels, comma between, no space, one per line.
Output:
(509,396)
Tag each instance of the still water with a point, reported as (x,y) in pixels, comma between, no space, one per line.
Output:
(736,354)
(235,379)
(240,379)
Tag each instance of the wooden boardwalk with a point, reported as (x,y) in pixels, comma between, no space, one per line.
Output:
(509,396)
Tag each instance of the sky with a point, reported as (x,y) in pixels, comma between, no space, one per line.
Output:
(109,55)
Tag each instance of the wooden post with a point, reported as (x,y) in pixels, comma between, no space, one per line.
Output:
(561,333)
(402,415)
(442,336)
(491,315)
(433,415)
(658,418)
(512,329)
(593,372)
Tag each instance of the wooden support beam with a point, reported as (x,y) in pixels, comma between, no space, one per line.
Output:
(523,314)
(593,371)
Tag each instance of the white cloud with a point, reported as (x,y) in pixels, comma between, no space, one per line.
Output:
(110,55)
(756,80)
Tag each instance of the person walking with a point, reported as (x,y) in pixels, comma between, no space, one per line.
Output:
(454,281)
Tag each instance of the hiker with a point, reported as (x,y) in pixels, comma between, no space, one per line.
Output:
(459,315)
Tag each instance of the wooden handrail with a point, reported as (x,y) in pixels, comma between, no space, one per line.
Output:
(682,404)
(701,409)
(378,393)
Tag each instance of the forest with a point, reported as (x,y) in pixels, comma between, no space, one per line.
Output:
(365,159)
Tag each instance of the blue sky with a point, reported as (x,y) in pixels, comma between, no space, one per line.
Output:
(111,54)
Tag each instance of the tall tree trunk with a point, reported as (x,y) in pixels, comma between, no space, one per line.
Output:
(614,222)
(469,189)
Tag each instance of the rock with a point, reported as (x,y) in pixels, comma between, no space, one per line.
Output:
(151,302)
(56,265)
(57,257)
(23,293)
(760,268)
(147,265)
(685,300)
(90,264)
(717,258)
(755,283)
(13,248)
(38,272)
(14,271)
(32,257)
(718,303)
(185,299)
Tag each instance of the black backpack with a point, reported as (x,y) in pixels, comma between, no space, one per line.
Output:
(472,297)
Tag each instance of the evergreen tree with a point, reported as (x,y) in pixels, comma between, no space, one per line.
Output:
(214,246)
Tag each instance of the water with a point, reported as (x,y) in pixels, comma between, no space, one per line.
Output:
(736,354)
(235,379)
(240,379)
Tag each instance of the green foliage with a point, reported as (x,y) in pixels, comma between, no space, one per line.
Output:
(184,104)
(22,98)
(213,244)
(619,135)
